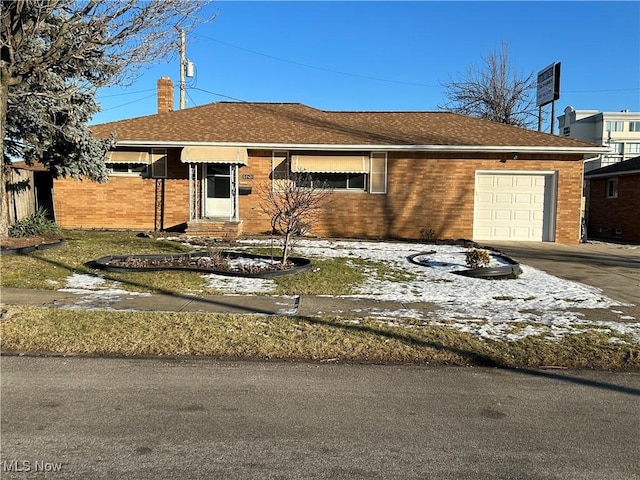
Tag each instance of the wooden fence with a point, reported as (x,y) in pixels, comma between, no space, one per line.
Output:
(22,195)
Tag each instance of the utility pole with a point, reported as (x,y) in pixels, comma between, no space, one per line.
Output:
(183,66)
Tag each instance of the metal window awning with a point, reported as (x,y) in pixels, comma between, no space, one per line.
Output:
(234,155)
(127,157)
(330,163)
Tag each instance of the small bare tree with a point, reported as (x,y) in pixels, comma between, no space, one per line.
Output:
(292,206)
(494,91)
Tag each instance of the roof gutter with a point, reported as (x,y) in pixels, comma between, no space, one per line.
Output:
(410,148)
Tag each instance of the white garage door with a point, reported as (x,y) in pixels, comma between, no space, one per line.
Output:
(513,207)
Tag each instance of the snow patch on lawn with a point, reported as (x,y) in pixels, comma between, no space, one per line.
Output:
(239,285)
(95,291)
(535,304)
(487,309)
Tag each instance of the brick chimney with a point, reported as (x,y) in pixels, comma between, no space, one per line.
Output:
(165,95)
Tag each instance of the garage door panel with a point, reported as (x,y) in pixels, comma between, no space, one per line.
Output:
(523,181)
(540,181)
(484,214)
(503,198)
(521,232)
(484,232)
(485,198)
(499,231)
(502,215)
(523,198)
(510,206)
(504,181)
(485,181)
(522,215)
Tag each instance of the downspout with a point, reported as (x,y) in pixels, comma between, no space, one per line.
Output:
(234,191)
(202,200)
(190,191)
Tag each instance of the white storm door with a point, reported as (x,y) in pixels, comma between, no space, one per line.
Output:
(218,191)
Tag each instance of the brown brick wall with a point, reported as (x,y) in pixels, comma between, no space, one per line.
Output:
(427,191)
(124,202)
(615,213)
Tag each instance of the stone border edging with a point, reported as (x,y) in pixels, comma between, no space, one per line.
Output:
(23,250)
(512,270)
(300,264)
(412,258)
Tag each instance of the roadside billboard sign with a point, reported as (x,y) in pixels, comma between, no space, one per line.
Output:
(548,87)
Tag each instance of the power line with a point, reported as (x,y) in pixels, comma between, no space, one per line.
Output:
(607,90)
(126,93)
(220,95)
(366,77)
(128,103)
(191,99)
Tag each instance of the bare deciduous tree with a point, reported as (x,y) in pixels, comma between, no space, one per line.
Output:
(494,91)
(55,54)
(292,206)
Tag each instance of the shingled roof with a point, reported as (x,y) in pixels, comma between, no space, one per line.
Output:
(628,167)
(297,124)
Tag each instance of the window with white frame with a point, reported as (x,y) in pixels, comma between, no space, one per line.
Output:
(634,126)
(131,163)
(614,126)
(378,180)
(279,170)
(127,169)
(633,147)
(159,163)
(342,172)
(617,147)
(612,188)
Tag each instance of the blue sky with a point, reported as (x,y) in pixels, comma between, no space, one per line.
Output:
(395,55)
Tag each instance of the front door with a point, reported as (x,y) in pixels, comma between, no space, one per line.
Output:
(218,192)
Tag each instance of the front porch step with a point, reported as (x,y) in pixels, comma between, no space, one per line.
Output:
(211,227)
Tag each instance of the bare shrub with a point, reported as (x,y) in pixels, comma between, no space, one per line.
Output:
(476,258)
(292,207)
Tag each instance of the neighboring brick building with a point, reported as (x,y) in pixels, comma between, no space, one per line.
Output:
(393,174)
(613,201)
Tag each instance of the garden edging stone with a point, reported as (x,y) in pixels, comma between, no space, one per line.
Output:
(33,248)
(104,263)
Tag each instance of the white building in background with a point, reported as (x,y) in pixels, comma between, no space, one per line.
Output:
(618,130)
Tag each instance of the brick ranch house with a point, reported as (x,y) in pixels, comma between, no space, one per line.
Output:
(613,201)
(393,174)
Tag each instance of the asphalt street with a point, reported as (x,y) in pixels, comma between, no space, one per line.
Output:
(91,418)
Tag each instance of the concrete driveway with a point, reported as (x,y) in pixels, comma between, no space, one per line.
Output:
(613,268)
